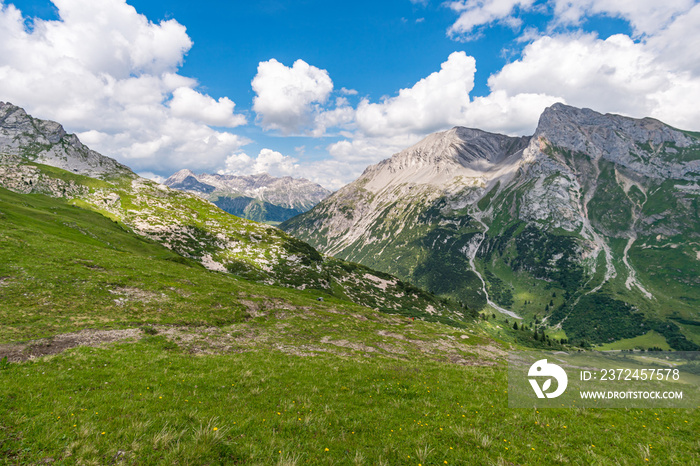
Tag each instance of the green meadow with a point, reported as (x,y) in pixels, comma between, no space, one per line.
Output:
(119,351)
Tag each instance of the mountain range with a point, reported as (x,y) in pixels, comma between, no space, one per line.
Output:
(262,197)
(588,230)
(39,158)
(142,324)
(590,227)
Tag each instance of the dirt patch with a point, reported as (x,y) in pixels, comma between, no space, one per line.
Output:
(348,344)
(16,352)
(136,294)
(384,333)
(261,307)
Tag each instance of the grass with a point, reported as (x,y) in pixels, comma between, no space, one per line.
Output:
(139,402)
(651,339)
(213,369)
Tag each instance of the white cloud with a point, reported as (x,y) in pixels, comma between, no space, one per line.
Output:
(107,73)
(190,104)
(678,45)
(267,161)
(614,75)
(434,102)
(475,13)
(153,177)
(285,96)
(645,16)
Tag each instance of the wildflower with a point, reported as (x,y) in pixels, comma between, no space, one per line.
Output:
(216,428)
(326,449)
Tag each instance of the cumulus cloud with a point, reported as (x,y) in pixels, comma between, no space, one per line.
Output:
(613,75)
(645,16)
(677,45)
(438,100)
(475,13)
(110,75)
(286,96)
(267,161)
(190,104)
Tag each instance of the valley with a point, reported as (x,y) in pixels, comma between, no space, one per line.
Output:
(143,324)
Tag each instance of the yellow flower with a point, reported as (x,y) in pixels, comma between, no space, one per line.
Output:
(326,449)
(103,433)
(216,428)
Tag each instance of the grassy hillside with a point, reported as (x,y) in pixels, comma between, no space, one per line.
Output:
(121,351)
(198,230)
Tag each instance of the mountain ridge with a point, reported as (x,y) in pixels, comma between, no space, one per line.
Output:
(190,226)
(580,208)
(258,197)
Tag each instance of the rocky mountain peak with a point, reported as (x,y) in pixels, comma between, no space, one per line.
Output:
(180,177)
(15,120)
(441,157)
(46,142)
(646,146)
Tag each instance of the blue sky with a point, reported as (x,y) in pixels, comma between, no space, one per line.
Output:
(320,89)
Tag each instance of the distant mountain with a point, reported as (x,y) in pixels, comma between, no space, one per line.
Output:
(39,158)
(256,197)
(591,225)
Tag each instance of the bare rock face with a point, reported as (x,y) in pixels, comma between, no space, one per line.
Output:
(639,145)
(46,142)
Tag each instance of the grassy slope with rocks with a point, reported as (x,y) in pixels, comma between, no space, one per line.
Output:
(196,229)
(151,358)
(38,156)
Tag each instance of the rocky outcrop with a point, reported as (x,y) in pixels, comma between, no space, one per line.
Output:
(647,146)
(46,142)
